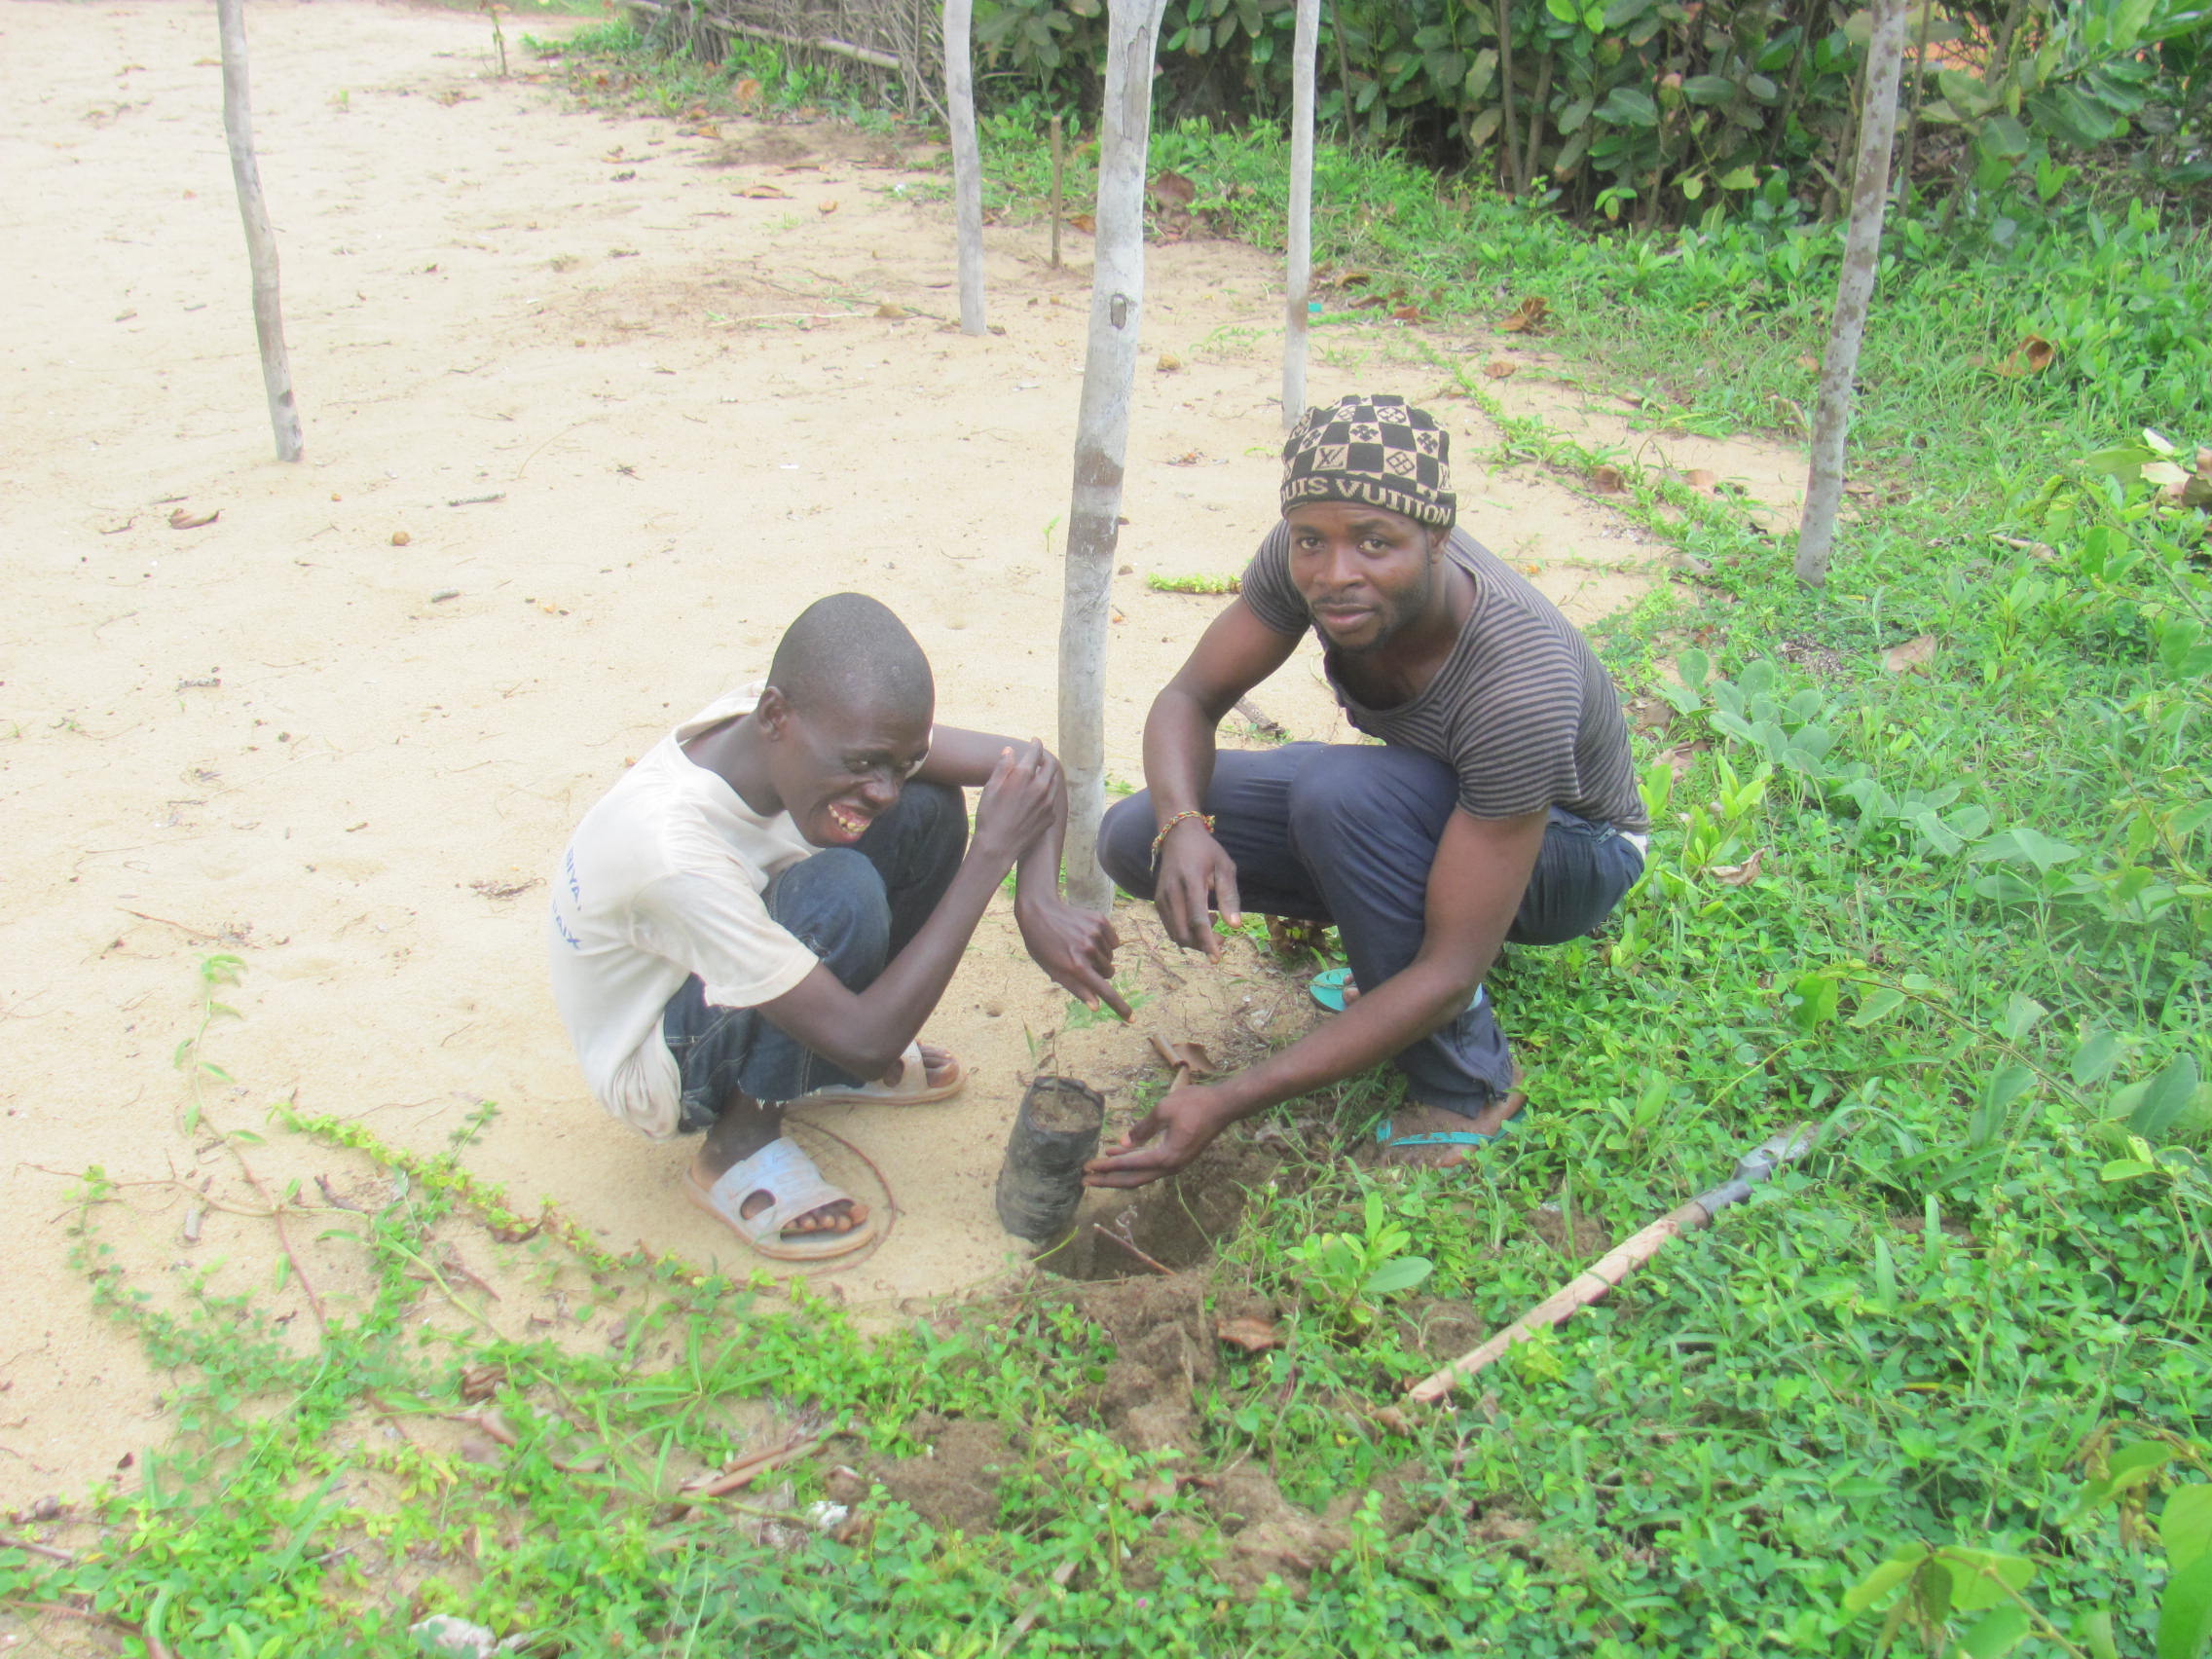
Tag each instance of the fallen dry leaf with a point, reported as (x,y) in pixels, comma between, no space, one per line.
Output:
(1168,363)
(2031,356)
(179,519)
(482,1381)
(1913,654)
(1085,223)
(1501,368)
(1528,318)
(825,208)
(1736,875)
(1393,1419)
(765,193)
(1253,1336)
(747,91)
(1705,483)
(887,308)
(1607,480)
(400,538)
(1193,1057)
(1174,187)
(1409,313)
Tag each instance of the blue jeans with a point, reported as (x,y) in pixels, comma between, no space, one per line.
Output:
(856,907)
(1344,835)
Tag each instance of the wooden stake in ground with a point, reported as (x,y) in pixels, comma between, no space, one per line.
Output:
(1306,42)
(1102,434)
(260,240)
(1059,149)
(1861,244)
(967,162)
(1623,1259)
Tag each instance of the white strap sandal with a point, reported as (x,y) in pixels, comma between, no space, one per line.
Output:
(794,1187)
(913,1087)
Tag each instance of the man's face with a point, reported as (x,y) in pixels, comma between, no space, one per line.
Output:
(1365,572)
(837,770)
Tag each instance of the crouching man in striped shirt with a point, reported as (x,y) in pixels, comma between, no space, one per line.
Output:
(1501,805)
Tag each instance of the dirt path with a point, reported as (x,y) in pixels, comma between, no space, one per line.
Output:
(586,423)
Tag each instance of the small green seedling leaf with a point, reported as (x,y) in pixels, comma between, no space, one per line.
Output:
(2020,842)
(1983,1578)
(1882,1580)
(2021,1015)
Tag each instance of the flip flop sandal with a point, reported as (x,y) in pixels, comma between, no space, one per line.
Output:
(794,1187)
(1327,988)
(1389,1142)
(913,1087)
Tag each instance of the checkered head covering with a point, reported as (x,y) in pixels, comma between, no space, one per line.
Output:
(1376,449)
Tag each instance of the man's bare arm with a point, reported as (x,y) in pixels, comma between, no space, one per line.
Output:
(1075,948)
(863,1032)
(1475,887)
(1235,653)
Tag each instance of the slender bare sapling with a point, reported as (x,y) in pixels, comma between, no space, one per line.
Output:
(1102,433)
(1299,277)
(1854,291)
(967,161)
(260,239)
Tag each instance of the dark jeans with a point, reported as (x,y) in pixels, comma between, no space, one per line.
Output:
(856,907)
(1344,834)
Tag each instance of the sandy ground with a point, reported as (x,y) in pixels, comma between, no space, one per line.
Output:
(342,731)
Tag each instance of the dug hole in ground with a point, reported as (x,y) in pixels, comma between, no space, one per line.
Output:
(594,405)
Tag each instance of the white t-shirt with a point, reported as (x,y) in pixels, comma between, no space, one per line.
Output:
(663,879)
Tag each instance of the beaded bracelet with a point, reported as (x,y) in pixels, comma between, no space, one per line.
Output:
(1159,840)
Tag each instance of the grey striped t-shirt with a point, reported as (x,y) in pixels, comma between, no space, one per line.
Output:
(1521,709)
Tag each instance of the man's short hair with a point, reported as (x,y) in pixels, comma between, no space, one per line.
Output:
(849,651)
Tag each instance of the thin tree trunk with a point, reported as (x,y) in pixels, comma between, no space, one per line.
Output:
(1514,183)
(967,162)
(1780,132)
(1059,155)
(1344,73)
(1536,122)
(260,240)
(1299,283)
(1102,433)
(1861,245)
(1919,91)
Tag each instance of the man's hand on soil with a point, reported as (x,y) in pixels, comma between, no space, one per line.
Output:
(1075,946)
(1164,1140)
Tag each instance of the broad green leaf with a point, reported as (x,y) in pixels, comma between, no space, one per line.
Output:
(1401,1274)
(2124,1170)
(1881,1581)
(1980,1578)
(2002,135)
(2184,1528)
(1996,1632)
(2167,1099)
(2184,1612)
(1629,106)
(1817,998)
(2027,843)
(1877,1005)
(1708,88)
(2021,1015)
(2094,1059)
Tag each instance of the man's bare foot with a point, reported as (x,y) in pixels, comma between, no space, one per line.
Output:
(938,1067)
(745,1127)
(1412,1123)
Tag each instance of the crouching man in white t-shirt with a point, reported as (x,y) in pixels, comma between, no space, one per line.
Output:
(770,903)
